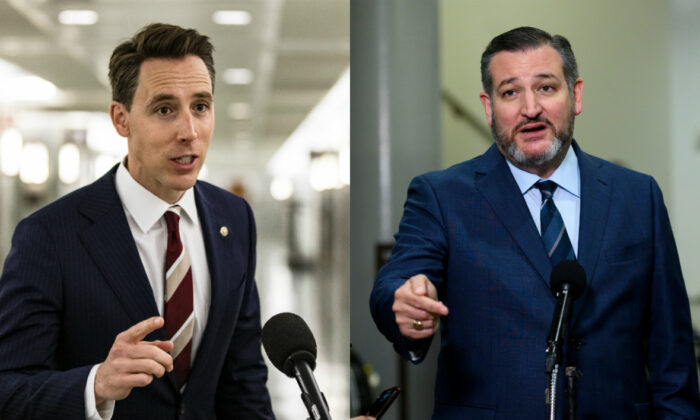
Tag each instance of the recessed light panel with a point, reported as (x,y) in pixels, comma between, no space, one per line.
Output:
(231,17)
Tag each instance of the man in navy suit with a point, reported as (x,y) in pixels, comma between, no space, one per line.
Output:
(84,301)
(470,259)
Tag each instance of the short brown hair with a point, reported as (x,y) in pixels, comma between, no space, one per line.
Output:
(527,38)
(157,40)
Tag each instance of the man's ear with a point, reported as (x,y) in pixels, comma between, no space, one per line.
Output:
(486,102)
(578,96)
(120,118)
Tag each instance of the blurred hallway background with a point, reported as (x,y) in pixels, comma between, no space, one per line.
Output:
(281,138)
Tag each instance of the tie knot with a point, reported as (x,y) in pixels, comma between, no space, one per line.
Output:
(546,188)
(172,219)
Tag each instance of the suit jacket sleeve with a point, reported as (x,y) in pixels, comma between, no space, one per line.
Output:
(31,384)
(241,392)
(673,372)
(421,248)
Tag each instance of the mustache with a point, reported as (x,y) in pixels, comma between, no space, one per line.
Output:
(538,119)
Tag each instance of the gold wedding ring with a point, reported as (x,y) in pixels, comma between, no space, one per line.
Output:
(418,325)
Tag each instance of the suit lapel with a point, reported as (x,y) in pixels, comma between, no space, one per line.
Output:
(109,242)
(595,206)
(496,184)
(112,247)
(219,260)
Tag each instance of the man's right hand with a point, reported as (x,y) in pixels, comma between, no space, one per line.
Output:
(132,362)
(416,300)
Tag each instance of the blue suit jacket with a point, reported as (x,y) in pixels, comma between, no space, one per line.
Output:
(73,280)
(469,230)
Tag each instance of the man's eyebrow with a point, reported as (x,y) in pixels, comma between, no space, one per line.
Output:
(547,76)
(507,81)
(203,95)
(159,98)
(538,76)
(169,97)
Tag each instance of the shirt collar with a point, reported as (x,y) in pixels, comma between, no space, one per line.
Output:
(145,207)
(566,175)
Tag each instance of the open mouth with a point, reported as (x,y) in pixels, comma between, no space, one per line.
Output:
(184,159)
(533,129)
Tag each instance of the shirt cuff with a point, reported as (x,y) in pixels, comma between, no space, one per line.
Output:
(92,411)
(417,349)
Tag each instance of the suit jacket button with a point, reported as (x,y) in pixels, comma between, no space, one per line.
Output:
(182,408)
(578,344)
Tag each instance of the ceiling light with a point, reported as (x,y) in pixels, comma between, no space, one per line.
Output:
(281,188)
(68,163)
(10,151)
(238,76)
(34,165)
(324,171)
(231,17)
(78,17)
(27,88)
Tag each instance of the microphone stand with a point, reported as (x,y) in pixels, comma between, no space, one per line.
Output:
(572,375)
(552,371)
(554,352)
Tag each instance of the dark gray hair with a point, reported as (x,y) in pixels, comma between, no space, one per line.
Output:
(523,39)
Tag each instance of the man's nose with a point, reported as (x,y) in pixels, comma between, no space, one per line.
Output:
(530,106)
(187,130)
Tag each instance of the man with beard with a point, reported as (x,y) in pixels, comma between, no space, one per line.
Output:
(477,243)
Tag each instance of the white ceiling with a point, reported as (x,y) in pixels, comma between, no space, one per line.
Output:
(296,49)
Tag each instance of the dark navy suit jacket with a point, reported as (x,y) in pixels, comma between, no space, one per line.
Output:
(469,230)
(73,280)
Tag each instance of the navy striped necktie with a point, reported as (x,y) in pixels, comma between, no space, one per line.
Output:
(554,235)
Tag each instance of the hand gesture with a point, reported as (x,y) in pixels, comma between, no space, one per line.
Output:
(417,309)
(132,362)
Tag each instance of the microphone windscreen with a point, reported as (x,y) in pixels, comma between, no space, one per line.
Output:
(287,339)
(568,271)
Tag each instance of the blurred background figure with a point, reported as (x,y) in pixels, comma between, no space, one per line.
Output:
(281,139)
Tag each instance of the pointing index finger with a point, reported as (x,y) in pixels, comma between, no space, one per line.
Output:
(139,331)
(430,305)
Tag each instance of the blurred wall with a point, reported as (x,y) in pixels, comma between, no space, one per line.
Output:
(395,135)
(684,114)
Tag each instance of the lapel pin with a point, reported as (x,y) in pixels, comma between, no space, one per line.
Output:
(223,231)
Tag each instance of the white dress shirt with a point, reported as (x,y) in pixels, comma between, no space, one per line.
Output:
(567,196)
(144,212)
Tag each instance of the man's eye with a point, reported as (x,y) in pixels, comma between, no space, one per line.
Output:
(164,110)
(202,107)
(508,93)
(548,88)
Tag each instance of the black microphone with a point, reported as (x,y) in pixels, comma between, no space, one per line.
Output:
(568,281)
(291,347)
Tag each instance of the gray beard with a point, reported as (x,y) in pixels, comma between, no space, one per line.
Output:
(534,161)
(560,141)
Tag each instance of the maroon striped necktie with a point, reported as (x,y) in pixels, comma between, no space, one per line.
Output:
(179,311)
